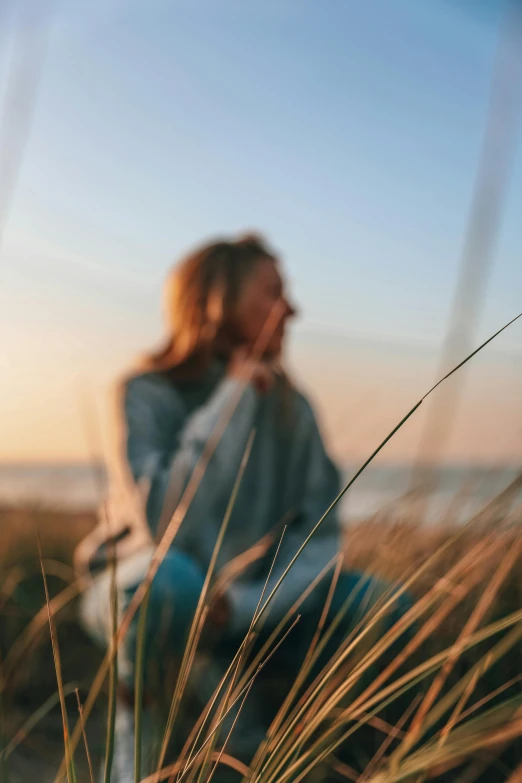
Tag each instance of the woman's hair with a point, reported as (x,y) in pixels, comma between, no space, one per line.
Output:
(202,293)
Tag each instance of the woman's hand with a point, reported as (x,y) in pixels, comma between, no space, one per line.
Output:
(259,373)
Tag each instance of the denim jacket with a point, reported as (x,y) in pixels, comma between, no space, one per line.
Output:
(288,480)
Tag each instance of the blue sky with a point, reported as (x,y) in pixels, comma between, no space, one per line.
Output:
(348,132)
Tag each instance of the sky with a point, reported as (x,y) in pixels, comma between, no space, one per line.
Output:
(348,133)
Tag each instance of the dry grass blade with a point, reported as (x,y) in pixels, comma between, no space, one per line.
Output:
(493,729)
(174,769)
(472,354)
(86,744)
(455,595)
(190,745)
(34,720)
(201,721)
(479,764)
(20,95)
(138,685)
(372,457)
(320,709)
(274,741)
(164,774)
(482,702)
(459,707)
(192,741)
(242,652)
(303,672)
(344,770)
(501,506)
(387,694)
(469,568)
(169,535)
(113,672)
(320,691)
(38,623)
(282,623)
(10,582)
(516,777)
(435,661)
(231,699)
(71,773)
(61,570)
(173,526)
(235,666)
(374,763)
(325,747)
(197,623)
(486,662)
(473,621)
(220,753)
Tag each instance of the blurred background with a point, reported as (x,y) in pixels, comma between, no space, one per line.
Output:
(375,145)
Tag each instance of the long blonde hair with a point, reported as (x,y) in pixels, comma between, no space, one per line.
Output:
(201,295)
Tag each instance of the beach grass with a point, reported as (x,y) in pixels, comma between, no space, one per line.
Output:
(460,683)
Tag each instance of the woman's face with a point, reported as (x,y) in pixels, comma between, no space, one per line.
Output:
(263,305)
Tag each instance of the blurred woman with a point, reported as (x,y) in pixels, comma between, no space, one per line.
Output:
(219,380)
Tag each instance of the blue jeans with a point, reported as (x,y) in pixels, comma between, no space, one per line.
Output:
(174,596)
(173,599)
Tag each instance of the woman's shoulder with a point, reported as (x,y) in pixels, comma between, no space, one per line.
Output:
(299,410)
(303,405)
(138,378)
(150,386)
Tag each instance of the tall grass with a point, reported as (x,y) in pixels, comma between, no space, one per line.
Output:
(113,670)
(69,754)
(449,575)
(347,701)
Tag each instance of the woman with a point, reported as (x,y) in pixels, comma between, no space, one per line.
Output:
(220,379)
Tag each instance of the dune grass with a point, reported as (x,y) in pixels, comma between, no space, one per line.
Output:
(464,666)
(346,703)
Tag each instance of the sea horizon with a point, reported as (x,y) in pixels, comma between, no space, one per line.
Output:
(78,485)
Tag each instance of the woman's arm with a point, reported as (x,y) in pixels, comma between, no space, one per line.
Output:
(316,483)
(163,444)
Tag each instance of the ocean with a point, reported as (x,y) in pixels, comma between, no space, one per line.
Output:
(81,487)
